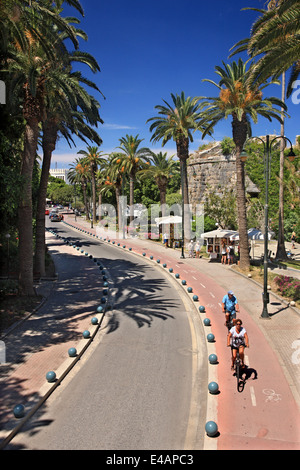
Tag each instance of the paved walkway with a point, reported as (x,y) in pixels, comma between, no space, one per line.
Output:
(209,281)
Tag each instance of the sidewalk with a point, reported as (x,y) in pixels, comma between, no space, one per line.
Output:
(210,281)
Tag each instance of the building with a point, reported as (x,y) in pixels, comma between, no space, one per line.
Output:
(60,174)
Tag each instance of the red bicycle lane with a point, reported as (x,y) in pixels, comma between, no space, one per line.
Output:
(264,414)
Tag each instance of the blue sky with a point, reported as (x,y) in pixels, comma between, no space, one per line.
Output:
(148,49)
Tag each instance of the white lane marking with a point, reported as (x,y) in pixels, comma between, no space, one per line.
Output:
(212,295)
(204,287)
(253,397)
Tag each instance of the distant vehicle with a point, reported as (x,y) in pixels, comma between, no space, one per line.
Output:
(55,217)
(46,211)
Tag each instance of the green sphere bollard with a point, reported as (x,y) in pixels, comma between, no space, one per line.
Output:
(19,411)
(211,428)
(164,265)
(158,260)
(213,388)
(195,298)
(144,254)
(51,376)
(177,276)
(213,358)
(206,321)
(72,352)
(151,257)
(210,338)
(183,282)
(201,309)
(86,334)
(190,290)
(94,321)
(170,270)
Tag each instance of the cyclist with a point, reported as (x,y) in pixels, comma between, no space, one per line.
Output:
(238,340)
(230,307)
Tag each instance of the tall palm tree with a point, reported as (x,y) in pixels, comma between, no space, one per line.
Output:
(24,39)
(242,102)
(162,168)
(275,41)
(93,157)
(79,173)
(176,122)
(263,41)
(132,159)
(67,108)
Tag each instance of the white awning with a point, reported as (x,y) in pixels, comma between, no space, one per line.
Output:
(171,219)
(219,233)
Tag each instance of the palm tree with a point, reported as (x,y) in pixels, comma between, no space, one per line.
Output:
(176,122)
(67,108)
(275,41)
(79,173)
(94,158)
(253,45)
(132,159)
(24,39)
(242,102)
(161,170)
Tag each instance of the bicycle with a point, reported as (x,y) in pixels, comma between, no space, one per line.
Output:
(238,370)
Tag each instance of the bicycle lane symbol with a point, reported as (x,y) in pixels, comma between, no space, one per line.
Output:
(272,396)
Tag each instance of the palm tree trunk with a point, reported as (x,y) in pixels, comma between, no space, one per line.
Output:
(131,198)
(239,132)
(25,209)
(94,196)
(183,155)
(281,253)
(49,143)
(84,186)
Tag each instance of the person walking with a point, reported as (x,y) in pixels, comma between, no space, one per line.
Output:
(197,249)
(223,253)
(238,340)
(293,239)
(191,249)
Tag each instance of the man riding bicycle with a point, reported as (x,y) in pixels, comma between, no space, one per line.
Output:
(230,307)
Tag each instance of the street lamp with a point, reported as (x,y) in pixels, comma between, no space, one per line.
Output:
(182,213)
(267,157)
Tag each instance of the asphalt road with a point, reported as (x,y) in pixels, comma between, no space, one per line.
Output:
(142,383)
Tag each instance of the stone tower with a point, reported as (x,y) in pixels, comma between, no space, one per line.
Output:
(210,170)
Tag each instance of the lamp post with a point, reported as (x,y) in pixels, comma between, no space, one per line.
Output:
(182,213)
(267,158)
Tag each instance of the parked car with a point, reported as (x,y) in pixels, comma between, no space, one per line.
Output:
(46,211)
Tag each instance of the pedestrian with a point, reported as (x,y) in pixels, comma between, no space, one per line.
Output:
(231,253)
(230,306)
(223,253)
(293,239)
(197,249)
(238,340)
(165,239)
(191,249)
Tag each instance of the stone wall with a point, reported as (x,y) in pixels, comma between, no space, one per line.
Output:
(210,170)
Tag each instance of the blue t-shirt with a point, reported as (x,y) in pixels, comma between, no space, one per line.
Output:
(229,304)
